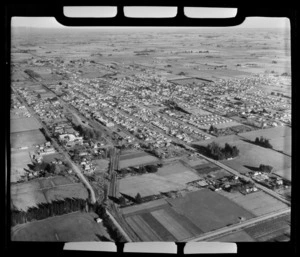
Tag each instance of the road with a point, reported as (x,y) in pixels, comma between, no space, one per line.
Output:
(239,225)
(62,151)
(236,173)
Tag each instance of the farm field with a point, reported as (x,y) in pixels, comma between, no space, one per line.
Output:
(197,162)
(26,138)
(73,227)
(280,137)
(238,236)
(136,161)
(251,155)
(161,223)
(31,193)
(270,229)
(209,210)
(258,203)
(19,162)
(53,157)
(170,177)
(24,124)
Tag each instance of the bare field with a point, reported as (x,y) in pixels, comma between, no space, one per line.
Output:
(143,207)
(168,178)
(31,193)
(259,203)
(73,227)
(209,210)
(27,138)
(24,124)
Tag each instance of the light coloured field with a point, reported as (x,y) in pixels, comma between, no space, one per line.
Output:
(73,227)
(238,236)
(19,161)
(27,138)
(29,194)
(259,203)
(24,124)
(168,178)
(143,206)
(280,137)
(251,155)
(285,173)
(137,161)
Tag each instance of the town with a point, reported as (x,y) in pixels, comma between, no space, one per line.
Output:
(128,142)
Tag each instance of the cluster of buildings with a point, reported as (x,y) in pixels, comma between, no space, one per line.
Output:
(267,180)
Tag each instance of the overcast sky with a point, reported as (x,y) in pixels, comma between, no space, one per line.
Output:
(47,22)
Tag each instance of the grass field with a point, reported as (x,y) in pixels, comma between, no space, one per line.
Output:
(27,138)
(29,194)
(146,159)
(280,137)
(170,177)
(258,203)
(19,161)
(209,210)
(251,155)
(144,207)
(24,124)
(53,157)
(73,227)
(132,155)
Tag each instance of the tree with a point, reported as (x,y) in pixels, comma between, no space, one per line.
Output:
(138,198)
(265,168)
(151,168)
(122,200)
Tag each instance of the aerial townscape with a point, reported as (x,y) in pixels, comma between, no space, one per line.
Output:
(150,134)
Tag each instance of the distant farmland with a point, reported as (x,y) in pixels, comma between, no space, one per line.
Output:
(29,194)
(19,161)
(72,227)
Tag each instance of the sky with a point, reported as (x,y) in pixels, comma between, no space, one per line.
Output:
(50,22)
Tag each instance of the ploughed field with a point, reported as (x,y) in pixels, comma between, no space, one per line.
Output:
(183,218)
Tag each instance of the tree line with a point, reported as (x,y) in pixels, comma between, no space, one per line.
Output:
(214,151)
(263,142)
(45,210)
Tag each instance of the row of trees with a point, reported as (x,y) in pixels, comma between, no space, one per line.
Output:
(141,170)
(213,150)
(45,210)
(263,142)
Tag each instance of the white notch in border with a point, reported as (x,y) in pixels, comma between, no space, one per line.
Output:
(209,12)
(150,11)
(150,247)
(91,246)
(209,247)
(90,11)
